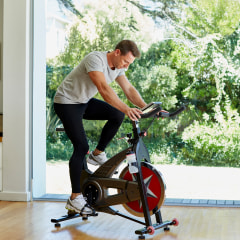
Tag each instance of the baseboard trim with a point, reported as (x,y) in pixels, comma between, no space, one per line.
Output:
(15,196)
(201,202)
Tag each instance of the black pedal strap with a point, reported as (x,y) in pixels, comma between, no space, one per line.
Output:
(88,206)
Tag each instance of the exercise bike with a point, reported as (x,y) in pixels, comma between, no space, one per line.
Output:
(140,187)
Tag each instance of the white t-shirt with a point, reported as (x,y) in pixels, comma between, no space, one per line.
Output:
(78,87)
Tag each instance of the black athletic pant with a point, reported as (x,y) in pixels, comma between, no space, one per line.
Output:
(71,116)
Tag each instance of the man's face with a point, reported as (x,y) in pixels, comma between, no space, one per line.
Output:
(123,61)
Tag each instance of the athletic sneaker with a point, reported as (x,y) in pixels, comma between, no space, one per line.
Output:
(97,160)
(79,205)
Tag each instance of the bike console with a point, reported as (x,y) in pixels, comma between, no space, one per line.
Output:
(151,109)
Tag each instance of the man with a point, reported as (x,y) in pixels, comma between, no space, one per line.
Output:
(74,101)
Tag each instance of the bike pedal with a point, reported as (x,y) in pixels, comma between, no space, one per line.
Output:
(94,214)
(89,215)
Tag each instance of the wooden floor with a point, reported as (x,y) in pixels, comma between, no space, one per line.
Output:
(31,221)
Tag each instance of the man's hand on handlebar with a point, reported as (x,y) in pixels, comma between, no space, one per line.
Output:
(159,114)
(134,113)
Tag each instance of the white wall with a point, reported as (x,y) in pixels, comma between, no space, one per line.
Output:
(1,82)
(39,100)
(24,94)
(0,166)
(16,79)
(1,48)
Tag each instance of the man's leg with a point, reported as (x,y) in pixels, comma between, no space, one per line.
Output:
(71,116)
(100,110)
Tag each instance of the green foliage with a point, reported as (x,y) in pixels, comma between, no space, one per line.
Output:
(153,78)
(212,145)
(214,75)
(58,147)
(210,16)
(169,10)
(68,4)
(54,76)
(198,65)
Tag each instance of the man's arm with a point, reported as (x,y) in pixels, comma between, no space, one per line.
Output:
(130,91)
(111,97)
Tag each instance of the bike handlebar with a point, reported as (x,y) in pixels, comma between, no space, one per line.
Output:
(162,114)
(172,114)
(150,114)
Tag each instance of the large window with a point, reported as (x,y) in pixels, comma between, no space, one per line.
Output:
(185,61)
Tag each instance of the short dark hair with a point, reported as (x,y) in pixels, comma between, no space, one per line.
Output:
(126,46)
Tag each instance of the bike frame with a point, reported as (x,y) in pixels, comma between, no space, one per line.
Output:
(101,178)
(95,185)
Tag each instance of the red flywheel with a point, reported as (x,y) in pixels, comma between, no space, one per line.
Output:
(155,186)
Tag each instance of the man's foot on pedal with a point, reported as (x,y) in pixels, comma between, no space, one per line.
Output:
(98,159)
(79,205)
